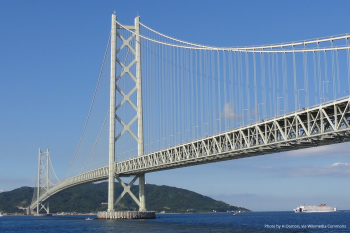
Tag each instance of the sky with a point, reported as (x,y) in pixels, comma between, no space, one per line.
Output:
(50,56)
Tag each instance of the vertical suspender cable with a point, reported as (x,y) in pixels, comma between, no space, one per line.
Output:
(178,130)
(190,91)
(285,81)
(295,82)
(162,94)
(206,93)
(150,115)
(263,84)
(225,97)
(325,94)
(219,84)
(319,74)
(278,87)
(167,97)
(231,91)
(180,93)
(193,96)
(174,99)
(315,78)
(236,88)
(184,94)
(306,79)
(159,96)
(200,124)
(270,84)
(338,77)
(307,90)
(273,102)
(348,62)
(247,87)
(197,96)
(255,89)
(213,123)
(240,79)
(333,74)
(146,93)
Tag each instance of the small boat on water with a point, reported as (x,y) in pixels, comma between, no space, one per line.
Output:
(1,214)
(314,208)
(236,212)
(89,219)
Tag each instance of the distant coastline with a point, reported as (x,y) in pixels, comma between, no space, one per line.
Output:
(162,199)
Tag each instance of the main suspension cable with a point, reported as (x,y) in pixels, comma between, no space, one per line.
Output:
(252,49)
(54,170)
(98,137)
(92,103)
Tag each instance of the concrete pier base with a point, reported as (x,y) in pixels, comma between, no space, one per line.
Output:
(42,215)
(126,215)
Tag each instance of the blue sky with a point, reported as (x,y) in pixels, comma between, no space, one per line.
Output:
(50,56)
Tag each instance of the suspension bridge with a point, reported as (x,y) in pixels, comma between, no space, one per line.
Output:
(175,104)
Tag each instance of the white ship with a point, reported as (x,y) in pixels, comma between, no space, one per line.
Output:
(314,208)
(1,214)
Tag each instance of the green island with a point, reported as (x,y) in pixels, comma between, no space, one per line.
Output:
(92,197)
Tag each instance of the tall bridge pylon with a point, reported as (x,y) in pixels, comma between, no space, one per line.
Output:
(126,71)
(43,182)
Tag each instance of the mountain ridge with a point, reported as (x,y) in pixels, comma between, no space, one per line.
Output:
(87,198)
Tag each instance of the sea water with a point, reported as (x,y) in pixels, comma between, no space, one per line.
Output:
(202,223)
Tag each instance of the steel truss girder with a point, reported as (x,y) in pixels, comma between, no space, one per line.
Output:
(86,177)
(321,125)
(301,129)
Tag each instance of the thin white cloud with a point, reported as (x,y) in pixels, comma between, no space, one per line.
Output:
(339,149)
(335,169)
(339,164)
(1,190)
(229,113)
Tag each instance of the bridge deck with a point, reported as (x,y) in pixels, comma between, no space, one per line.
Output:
(320,125)
(325,124)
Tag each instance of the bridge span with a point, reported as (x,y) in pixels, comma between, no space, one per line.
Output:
(180,86)
(325,124)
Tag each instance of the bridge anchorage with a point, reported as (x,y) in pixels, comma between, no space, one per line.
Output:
(215,90)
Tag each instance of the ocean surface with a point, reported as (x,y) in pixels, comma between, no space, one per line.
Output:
(212,222)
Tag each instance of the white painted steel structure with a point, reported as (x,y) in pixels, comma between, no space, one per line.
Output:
(323,124)
(320,125)
(326,124)
(126,98)
(112,116)
(43,182)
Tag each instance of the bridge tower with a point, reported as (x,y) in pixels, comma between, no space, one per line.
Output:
(114,81)
(43,182)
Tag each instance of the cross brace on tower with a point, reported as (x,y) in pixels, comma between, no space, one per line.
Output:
(125,69)
(43,184)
